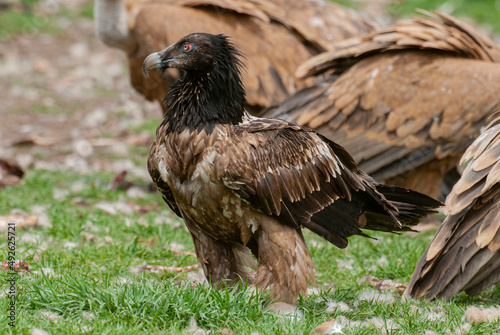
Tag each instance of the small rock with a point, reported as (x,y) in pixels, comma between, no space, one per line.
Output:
(38,331)
(197,277)
(328,327)
(434,316)
(79,50)
(88,315)
(78,186)
(25,160)
(89,237)
(376,296)
(383,261)
(28,238)
(464,328)
(123,281)
(120,149)
(83,147)
(313,291)
(345,265)
(383,324)
(43,219)
(315,244)
(143,222)
(194,329)
(175,246)
(136,193)
(69,245)
(41,65)
(48,272)
(95,119)
(21,221)
(86,329)
(50,315)
(114,207)
(477,314)
(60,194)
(90,226)
(284,309)
(341,306)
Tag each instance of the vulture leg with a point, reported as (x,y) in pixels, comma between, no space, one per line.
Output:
(285,264)
(223,263)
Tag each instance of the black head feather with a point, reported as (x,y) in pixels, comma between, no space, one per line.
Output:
(210,90)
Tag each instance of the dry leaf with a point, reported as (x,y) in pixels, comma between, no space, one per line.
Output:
(329,327)
(286,310)
(10,173)
(33,139)
(120,182)
(383,284)
(21,221)
(19,266)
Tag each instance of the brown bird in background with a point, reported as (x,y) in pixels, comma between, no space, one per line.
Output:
(275,37)
(465,253)
(405,100)
(246,185)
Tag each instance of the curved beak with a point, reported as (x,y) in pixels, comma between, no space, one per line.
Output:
(153,61)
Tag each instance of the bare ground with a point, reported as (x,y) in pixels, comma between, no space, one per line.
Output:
(67,103)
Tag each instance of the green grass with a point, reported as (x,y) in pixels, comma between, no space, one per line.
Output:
(149,125)
(94,278)
(484,12)
(30,21)
(92,289)
(87,10)
(14,22)
(44,109)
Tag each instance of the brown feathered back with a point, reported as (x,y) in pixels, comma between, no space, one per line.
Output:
(464,254)
(275,36)
(406,101)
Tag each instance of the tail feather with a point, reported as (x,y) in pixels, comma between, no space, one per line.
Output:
(411,205)
(380,208)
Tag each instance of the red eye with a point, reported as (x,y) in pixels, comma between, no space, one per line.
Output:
(187,47)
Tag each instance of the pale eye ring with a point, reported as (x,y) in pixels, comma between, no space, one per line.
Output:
(187,47)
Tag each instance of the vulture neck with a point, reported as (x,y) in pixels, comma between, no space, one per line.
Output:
(111,24)
(201,100)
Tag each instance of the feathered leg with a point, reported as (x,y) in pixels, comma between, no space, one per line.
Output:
(223,263)
(285,264)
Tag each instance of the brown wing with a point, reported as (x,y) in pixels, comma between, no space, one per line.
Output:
(161,185)
(464,254)
(320,24)
(285,171)
(436,32)
(406,116)
(274,40)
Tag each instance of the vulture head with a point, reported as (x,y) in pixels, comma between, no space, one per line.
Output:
(196,52)
(211,68)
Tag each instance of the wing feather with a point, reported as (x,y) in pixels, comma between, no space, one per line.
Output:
(463,255)
(306,180)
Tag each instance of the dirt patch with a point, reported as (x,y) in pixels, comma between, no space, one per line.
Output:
(62,92)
